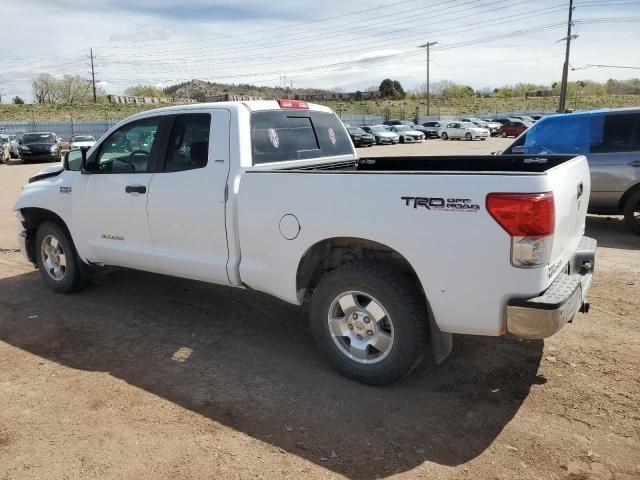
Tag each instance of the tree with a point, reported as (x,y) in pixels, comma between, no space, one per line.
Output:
(74,89)
(144,91)
(391,89)
(45,89)
(18,101)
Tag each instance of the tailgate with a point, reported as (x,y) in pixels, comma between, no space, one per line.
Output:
(571,186)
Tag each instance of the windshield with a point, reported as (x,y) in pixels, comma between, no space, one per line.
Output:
(468,125)
(83,138)
(356,130)
(379,130)
(37,138)
(404,128)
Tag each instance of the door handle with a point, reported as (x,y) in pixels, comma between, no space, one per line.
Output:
(135,189)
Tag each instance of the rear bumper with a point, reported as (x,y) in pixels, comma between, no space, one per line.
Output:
(542,316)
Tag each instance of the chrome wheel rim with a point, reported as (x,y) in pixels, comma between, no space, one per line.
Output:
(361,327)
(54,258)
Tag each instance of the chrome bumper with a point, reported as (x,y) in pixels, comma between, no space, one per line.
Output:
(542,316)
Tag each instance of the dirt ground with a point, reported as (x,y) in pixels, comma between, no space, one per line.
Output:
(147,376)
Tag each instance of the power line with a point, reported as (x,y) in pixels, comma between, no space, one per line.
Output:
(606,66)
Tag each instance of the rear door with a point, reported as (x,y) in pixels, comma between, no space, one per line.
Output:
(187,197)
(614,158)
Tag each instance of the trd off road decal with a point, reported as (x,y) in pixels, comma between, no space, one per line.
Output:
(442,204)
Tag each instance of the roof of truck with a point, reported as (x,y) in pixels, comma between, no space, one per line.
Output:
(251,105)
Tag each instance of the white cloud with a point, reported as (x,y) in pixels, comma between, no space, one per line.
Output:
(141,33)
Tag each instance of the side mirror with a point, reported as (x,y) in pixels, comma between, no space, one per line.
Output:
(75,160)
(87,167)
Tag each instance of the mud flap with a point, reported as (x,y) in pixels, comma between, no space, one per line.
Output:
(441,342)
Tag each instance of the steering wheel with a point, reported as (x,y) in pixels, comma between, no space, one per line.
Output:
(138,152)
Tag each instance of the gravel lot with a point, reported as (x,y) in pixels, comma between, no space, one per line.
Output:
(146,376)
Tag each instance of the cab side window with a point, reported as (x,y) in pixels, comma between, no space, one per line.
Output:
(128,149)
(617,135)
(188,146)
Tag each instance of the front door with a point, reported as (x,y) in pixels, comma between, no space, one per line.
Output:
(187,198)
(110,204)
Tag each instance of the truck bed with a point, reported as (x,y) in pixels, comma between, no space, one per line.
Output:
(449,163)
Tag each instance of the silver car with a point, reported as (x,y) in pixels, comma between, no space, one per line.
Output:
(610,139)
(5,148)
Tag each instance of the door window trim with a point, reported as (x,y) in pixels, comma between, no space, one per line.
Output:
(156,156)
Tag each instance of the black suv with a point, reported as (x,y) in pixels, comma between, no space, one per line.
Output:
(39,146)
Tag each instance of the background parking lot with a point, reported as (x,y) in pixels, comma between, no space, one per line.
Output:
(143,375)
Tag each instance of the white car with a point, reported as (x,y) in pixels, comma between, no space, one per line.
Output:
(466,130)
(271,196)
(493,127)
(79,141)
(381,134)
(406,133)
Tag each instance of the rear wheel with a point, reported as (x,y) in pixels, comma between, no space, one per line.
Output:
(503,134)
(632,212)
(57,259)
(370,322)
(445,136)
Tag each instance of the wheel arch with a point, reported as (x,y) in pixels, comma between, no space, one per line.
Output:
(328,254)
(32,218)
(625,196)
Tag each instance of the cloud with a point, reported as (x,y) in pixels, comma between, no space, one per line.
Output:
(142,33)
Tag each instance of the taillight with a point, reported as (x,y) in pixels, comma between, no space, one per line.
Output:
(284,103)
(529,218)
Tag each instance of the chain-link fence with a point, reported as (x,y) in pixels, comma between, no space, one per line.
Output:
(63,129)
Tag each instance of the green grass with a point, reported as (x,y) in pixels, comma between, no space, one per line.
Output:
(393,108)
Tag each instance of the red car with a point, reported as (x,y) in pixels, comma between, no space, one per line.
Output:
(513,129)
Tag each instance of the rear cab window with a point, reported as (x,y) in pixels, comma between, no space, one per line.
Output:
(286,135)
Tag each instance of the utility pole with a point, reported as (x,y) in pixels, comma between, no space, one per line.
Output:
(427,47)
(565,69)
(93,77)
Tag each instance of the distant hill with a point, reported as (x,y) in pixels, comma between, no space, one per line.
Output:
(200,89)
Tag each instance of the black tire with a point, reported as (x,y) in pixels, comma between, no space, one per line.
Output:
(444,136)
(468,136)
(632,212)
(74,277)
(407,313)
(401,139)
(503,134)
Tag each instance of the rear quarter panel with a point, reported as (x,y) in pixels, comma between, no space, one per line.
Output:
(461,258)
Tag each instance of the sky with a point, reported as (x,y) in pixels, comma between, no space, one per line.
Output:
(329,44)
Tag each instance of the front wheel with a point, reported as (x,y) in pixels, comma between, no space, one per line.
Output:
(503,134)
(445,136)
(57,259)
(468,136)
(632,213)
(370,322)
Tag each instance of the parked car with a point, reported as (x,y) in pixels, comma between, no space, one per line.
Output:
(79,141)
(503,120)
(610,139)
(5,148)
(243,194)
(381,134)
(466,130)
(406,134)
(360,138)
(513,129)
(537,117)
(408,123)
(524,118)
(493,127)
(432,129)
(40,146)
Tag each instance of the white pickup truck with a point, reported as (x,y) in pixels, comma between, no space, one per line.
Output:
(392,255)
